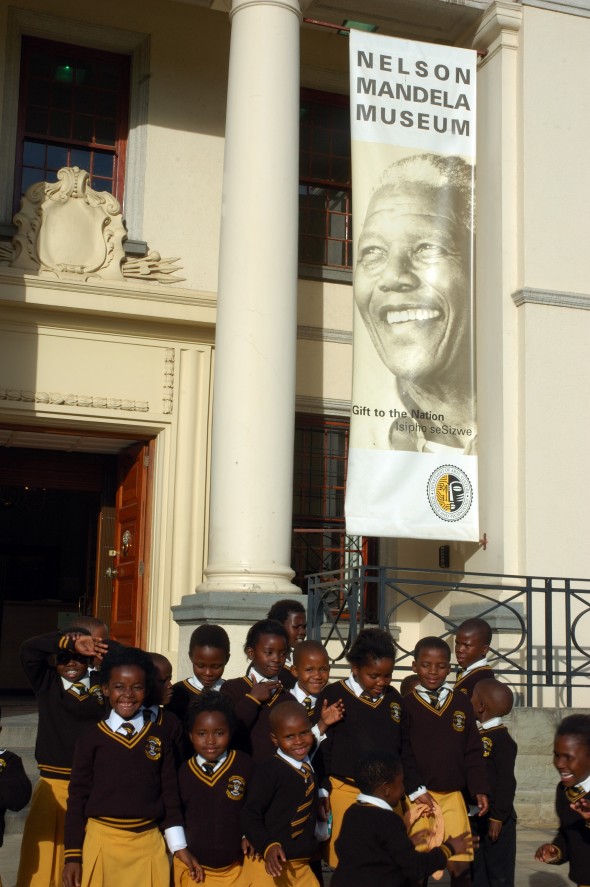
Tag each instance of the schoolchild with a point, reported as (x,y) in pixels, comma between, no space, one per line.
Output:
(162,693)
(57,667)
(208,652)
(311,668)
(373,847)
(375,718)
(256,694)
(447,747)
(15,786)
(472,644)
(280,814)
(292,616)
(571,758)
(495,860)
(213,786)
(123,788)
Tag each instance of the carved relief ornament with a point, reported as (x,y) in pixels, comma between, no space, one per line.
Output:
(68,231)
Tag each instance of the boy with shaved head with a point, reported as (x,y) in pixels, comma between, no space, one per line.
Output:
(495,859)
(472,643)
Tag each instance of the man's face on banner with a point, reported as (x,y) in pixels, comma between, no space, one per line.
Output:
(412,283)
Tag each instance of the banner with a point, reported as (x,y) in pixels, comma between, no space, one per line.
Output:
(412,464)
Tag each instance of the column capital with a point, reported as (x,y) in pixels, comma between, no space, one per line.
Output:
(232,6)
(499,27)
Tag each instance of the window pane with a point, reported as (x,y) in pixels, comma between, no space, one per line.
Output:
(34,154)
(63,70)
(102,185)
(56,157)
(62,96)
(60,124)
(30,176)
(83,128)
(103,165)
(81,158)
(40,64)
(106,132)
(106,103)
(39,92)
(36,120)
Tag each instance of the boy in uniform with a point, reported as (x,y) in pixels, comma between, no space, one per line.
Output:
(292,616)
(57,667)
(279,818)
(446,745)
(495,860)
(373,847)
(311,669)
(571,758)
(472,643)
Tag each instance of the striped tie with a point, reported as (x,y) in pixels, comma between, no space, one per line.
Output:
(307,772)
(128,729)
(208,768)
(307,703)
(80,689)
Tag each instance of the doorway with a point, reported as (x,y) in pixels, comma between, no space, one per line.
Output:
(73,530)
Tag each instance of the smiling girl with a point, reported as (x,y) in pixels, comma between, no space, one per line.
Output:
(123,788)
(260,690)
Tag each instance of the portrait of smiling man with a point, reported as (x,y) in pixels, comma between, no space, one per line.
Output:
(412,286)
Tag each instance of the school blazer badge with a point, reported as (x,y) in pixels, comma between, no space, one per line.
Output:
(236,787)
(153,748)
(396,712)
(459,720)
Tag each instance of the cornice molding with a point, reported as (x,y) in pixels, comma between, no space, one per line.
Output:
(499,29)
(323,334)
(99,402)
(532,296)
(569,7)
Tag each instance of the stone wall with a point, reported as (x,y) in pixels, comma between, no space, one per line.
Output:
(533,729)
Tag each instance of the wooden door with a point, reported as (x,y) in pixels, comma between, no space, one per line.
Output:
(129,601)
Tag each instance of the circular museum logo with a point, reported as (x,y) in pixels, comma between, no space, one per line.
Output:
(450,493)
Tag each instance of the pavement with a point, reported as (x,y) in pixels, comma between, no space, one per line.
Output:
(528,872)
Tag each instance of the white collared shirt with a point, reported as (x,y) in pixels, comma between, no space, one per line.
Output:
(375,802)
(260,678)
(493,722)
(444,691)
(154,711)
(85,679)
(175,837)
(198,685)
(300,694)
(479,664)
(585,784)
(356,687)
(293,761)
(221,760)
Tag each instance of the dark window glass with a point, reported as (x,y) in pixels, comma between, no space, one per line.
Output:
(73,111)
(325,187)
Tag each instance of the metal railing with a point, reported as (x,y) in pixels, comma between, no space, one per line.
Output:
(541,625)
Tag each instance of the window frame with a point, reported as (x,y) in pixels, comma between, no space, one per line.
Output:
(29,45)
(111,39)
(337,273)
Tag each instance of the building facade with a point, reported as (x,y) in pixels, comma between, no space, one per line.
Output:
(176,304)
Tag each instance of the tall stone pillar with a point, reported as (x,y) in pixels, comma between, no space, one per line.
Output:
(254,387)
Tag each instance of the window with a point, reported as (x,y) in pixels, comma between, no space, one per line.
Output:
(325,237)
(320,542)
(73,111)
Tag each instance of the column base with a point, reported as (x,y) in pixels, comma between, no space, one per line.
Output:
(235,610)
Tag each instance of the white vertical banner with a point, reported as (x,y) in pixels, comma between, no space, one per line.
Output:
(412,466)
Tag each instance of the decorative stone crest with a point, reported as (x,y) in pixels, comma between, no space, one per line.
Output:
(71,232)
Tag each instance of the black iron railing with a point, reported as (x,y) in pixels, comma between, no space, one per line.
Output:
(541,641)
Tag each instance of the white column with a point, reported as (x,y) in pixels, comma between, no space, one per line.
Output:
(254,388)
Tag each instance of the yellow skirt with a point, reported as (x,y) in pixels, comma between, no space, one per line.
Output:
(114,857)
(230,875)
(455,819)
(342,797)
(295,872)
(42,849)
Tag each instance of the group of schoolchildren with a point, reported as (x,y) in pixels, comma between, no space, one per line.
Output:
(254,780)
